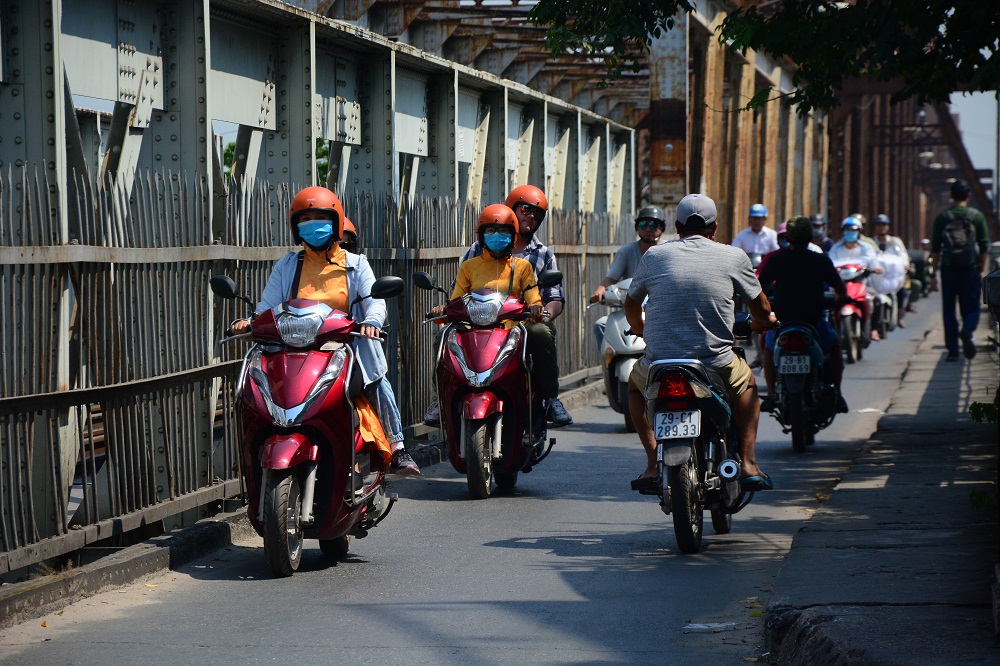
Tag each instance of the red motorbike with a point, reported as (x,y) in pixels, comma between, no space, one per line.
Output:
(849,319)
(308,472)
(484,387)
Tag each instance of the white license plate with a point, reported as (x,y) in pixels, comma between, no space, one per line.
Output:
(677,425)
(794,365)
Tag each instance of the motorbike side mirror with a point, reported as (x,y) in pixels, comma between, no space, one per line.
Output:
(424,281)
(741,327)
(549,278)
(427,282)
(387,286)
(224,287)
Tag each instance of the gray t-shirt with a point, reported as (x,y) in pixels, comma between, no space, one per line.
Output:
(626,262)
(690,312)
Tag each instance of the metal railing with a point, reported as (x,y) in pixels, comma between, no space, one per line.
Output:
(116,402)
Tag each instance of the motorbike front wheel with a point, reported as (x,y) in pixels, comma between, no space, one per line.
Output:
(478,458)
(846,339)
(283,534)
(686,505)
(629,425)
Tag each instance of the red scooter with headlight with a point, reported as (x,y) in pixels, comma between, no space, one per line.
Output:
(484,386)
(308,472)
(849,319)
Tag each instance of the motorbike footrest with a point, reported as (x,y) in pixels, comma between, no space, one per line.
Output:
(648,486)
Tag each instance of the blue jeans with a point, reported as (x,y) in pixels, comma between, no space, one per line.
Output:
(384,400)
(960,285)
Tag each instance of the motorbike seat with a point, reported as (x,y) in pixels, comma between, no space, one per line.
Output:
(698,369)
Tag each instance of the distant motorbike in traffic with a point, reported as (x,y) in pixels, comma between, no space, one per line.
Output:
(697,446)
(849,319)
(492,418)
(307,469)
(805,402)
(620,350)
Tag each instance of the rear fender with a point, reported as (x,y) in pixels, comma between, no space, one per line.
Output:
(480,405)
(794,383)
(285,451)
(675,452)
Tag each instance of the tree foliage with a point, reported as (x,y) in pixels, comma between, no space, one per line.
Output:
(925,49)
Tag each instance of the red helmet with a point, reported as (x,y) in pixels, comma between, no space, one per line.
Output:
(497,214)
(531,195)
(317,198)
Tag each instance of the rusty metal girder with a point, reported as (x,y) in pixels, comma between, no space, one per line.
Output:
(395,16)
(495,60)
(465,50)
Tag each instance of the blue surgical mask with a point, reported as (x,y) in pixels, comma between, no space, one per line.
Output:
(851,236)
(783,244)
(497,242)
(316,233)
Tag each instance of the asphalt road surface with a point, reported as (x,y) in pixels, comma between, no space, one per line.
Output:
(572,567)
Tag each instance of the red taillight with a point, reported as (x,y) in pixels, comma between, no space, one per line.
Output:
(674,385)
(794,342)
(673,405)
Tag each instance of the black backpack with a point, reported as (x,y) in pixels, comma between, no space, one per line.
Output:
(958,240)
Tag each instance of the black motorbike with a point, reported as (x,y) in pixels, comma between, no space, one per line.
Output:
(805,402)
(697,446)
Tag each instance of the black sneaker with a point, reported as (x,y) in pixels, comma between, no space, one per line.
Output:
(842,405)
(556,414)
(968,345)
(432,416)
(767,404)
(403,464)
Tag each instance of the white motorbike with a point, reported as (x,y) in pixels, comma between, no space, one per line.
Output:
(619,350)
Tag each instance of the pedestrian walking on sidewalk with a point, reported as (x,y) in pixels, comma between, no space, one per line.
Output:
(960,245)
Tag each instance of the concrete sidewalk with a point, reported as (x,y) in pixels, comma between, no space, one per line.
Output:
(897,567)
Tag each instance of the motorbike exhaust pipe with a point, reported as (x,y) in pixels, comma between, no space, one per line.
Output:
(729,472)
(308,492)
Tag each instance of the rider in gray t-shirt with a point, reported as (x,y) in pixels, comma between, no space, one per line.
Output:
(690,285)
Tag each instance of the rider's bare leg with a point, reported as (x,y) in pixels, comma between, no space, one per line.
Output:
(747,415)
(637,407)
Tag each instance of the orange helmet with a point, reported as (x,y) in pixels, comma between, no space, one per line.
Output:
(317,198)
(531,195)
(497,214)
(349,226)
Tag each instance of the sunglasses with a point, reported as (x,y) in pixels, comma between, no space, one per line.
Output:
(527,209)
(648,224)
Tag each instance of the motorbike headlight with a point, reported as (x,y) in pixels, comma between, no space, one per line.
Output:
(483,309)
(299,330)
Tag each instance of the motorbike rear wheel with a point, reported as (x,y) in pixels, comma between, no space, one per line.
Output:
(846,339)
(336,547)
(505,480)
(799,423)
(686,505)
(478,458)
(283,532)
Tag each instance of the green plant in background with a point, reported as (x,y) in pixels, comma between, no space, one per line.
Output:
(986,412)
